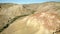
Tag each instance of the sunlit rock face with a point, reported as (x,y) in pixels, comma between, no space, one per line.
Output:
(44,22)
(39,23)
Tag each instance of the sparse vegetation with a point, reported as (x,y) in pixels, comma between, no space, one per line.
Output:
(11,14)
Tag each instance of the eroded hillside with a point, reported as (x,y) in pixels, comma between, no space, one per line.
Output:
(14,15)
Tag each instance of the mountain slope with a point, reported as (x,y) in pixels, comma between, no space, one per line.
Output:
(11,12)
